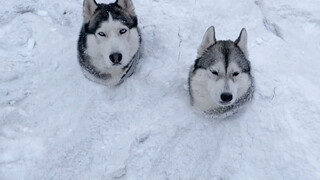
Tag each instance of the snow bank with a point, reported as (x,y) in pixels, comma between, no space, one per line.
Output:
(55,124)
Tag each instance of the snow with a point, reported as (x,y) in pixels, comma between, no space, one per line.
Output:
(55,124)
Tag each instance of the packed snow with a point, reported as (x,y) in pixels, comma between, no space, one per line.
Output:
(55,124)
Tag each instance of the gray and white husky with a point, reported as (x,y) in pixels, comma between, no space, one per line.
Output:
(220,81)
(109,42)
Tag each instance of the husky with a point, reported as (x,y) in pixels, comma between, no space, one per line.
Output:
(220,81)
(109,41)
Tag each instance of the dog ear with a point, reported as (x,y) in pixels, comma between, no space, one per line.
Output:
(89,7)
(208,40)
(126,5)
(242,42)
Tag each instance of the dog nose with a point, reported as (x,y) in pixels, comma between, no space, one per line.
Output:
(115,58)
(226,97)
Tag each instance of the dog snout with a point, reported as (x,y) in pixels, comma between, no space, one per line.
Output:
(115,58)
(226,97)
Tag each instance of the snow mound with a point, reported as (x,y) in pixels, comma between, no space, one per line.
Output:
(55,124)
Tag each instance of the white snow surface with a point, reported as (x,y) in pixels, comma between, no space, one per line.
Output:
(55,124)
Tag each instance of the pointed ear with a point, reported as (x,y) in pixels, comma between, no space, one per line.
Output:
(242,42)
(89,7)
(127,6)
(208,40)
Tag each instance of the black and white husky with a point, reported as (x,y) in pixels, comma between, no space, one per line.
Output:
(220,81)
(109,42)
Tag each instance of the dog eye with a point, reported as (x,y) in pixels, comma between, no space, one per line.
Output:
(215,73)
(123,31)
(102,34)
(235,74)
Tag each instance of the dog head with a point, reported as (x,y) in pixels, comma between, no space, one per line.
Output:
(112,34)
(225,67)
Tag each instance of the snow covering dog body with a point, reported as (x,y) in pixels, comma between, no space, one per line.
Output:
(109,41)
(220,81)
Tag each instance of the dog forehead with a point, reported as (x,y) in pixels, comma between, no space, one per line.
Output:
(216,54)
(110,25)
(217,65)
(238,61)
(103,13)
(226,53)
(119,14)
(233,66)
(231,55)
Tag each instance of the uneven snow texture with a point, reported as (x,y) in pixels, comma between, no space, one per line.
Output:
(55,124)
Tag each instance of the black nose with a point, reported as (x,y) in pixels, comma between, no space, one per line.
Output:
(226,97)
(115,58)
